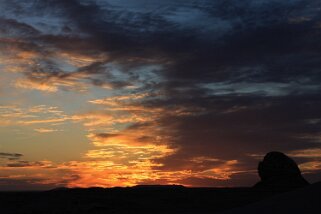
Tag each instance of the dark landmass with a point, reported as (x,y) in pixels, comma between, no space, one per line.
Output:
(304,200)
(138,200)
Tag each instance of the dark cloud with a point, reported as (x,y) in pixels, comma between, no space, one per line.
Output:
(10,156)
(27,164)
(234,127)
(27,184)
(15,29)
(263,42)
(9,184)
(105,135)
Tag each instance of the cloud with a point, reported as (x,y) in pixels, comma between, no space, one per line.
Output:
(30,122)
(26,182)
(11,184)
(44,130)
(41,114)
(249,34)
(29,164)
(307,153)
(27,84)
(34,175)
(10,156)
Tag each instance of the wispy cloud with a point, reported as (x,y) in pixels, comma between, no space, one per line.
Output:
(46,130)
(10,156)
(42,114)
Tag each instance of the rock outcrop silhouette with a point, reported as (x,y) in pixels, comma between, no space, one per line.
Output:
(279,171)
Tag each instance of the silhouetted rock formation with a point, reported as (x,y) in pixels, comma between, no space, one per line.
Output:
(279,171)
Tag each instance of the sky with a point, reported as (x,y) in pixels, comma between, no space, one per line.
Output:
(111,93)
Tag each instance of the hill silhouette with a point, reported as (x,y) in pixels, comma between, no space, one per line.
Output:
(304,200)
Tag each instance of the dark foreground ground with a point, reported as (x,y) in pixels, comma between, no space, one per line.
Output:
(139,200)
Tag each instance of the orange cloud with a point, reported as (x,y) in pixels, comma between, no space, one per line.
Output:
(307,167)
(14,115)
(307,153)
(44,130)
(47,70)
(29,84)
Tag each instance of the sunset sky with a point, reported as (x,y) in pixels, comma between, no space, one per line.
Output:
(124,92)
